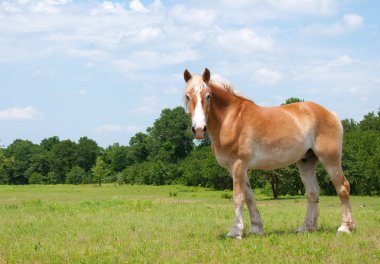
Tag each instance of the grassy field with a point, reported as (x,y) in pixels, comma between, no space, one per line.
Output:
(172,224)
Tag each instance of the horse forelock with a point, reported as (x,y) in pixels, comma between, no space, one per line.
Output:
(197,85)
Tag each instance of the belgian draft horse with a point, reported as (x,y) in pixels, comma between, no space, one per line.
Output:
(246,136)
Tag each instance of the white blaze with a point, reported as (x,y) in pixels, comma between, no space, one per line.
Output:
(199,118)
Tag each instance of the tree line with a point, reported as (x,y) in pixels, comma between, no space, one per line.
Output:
(166,154)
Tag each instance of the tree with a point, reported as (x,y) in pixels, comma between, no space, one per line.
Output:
(87,151)
(100,171)
(63,156)
(200,168)
(292,100)
(117,157)
(138,150)
(37,178)
(170,138)
(48,143)
(21,153)
(5,165)
(77,175)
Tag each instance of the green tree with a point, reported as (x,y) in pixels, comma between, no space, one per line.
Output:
(170,137)
(87,152)
(200,168)
(63,156)
(21,152)
(292,100)
(77,175)
(48,143)
(138,148)
(117,157)
(100,171)
(37,178)
(5,165)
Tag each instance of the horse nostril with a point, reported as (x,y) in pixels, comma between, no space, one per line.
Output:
(204,129)
(193,129)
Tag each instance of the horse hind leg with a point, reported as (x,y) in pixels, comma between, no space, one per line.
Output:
(256,222)
(307,168)
(331,161)
(342,187)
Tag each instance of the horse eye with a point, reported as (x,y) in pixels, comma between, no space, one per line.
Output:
(188,97)
(208,97)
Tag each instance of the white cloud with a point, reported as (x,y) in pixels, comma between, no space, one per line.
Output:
(48,6)
(199,17)
(15,113)
(315,7)
(244,41)
(108,7)
(137,6)
(340,61)
(9,8)
(148,34)
(353,21)
(349,23)
(266,76)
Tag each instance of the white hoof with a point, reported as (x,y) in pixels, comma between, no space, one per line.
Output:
(235,234)
(255,229)
(343,229)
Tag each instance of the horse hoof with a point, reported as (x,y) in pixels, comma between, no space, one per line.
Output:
(305,229)
(234,235)
(255,230)
(343,229)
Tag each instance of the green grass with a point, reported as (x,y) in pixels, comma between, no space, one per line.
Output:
(172,224)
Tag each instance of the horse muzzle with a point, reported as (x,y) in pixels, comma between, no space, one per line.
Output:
(199,132)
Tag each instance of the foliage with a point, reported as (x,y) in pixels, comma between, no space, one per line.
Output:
(165,154)
(170,138)
(77,175)
(100,171)
(200,168)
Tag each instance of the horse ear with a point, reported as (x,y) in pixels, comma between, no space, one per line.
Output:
(187,75)
(206,75)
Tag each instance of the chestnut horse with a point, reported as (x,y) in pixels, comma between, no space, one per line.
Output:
(246,136)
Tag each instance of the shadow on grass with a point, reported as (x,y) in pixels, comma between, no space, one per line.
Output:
(283,198)
(321,230)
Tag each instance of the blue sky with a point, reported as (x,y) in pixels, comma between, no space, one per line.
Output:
(106,69)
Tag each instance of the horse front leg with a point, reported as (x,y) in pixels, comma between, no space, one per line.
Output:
(239,172)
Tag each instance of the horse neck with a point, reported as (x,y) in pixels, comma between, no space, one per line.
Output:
(222,103)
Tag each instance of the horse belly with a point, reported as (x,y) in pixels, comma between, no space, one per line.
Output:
(265,158)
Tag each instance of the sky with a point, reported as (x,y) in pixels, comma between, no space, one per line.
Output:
(106,69)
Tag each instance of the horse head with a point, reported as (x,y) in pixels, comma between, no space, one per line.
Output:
(197,98)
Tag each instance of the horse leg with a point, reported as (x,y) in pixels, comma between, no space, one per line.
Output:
(342,187)
(307,168)
(331,161)
(239,175)
(256,222)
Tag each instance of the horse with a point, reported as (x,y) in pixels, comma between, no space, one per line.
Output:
(247,136)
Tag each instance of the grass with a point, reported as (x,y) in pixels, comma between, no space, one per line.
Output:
(172,224)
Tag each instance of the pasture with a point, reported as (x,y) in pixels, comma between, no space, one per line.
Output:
(173,224)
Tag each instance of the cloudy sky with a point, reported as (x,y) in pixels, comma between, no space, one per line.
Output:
(106,69)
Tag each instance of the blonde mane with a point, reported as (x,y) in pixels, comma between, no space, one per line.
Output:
(197,83)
